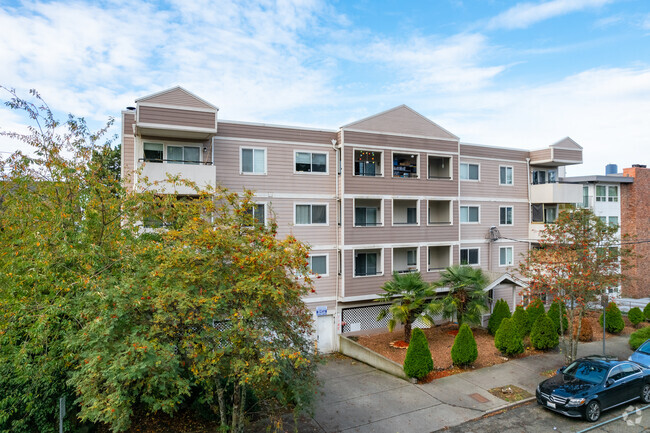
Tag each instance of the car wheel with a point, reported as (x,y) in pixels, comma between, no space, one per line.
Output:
(592,411)
(645,393)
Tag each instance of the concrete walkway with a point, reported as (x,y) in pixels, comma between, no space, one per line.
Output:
(354,397)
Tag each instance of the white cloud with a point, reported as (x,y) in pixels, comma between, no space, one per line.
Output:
(523,15)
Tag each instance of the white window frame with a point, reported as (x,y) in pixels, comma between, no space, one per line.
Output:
(512,256)
(312,152)
(460,176)
(616,197)
(327,264)
(451,213)
(618,221)
(451,166)
(512,215)
(418,170)
(417,212)
(327,213)
(263,203)
(460,214)
(512,175)
(451,257)
(166,143)
(241,160)
(381,163)
(380,262)
(417,257)
(478,255)
(380,212)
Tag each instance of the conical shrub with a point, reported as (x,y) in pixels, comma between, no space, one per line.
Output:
(520,318)
(418,362)
(635,315)
(464,351)
(507,340)
(501,311)
(543,335)
(535,309)
(614,322)
(554,315)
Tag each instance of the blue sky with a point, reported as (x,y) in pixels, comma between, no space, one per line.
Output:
(496,72)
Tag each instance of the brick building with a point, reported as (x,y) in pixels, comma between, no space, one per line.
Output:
(635,222)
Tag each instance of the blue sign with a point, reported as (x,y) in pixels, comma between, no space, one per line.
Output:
(321,311)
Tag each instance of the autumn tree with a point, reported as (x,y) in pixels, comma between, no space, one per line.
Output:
(578,259)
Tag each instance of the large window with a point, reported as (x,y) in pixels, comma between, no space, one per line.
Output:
(544,176)
(469,171)
(258,211)
(311,214)
(543,213)
(607,193)
(469,256)
(366,263)
(367,163)
(311,162)
(153,152)
(184,154)
(318,264)
(253,161)
(505,256)
(469,214)
(505,175)
(505,215)
(405,165)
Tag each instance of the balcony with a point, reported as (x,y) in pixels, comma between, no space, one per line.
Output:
(439,167)
(367,213)
(556,193)
(405,212)
(439,212)
(405,260)
(439,257)
(157,171)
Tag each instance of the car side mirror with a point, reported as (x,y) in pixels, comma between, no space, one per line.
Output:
(560,370)
(609,382)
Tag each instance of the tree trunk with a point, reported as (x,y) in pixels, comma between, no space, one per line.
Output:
(236,401)
(407,332)
(222,406)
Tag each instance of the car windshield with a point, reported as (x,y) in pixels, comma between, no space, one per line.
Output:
(587,371)
(645,348)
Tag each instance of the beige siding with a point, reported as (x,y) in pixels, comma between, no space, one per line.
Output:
(540,155)
(178,97)
(384,140)
(402,120)
(275,133)
(313,235)
(488,185)
(176,117)
(567,155)
(505,291)
(128,148)
(468,150)
(489,216)
(311,304)
(325,286)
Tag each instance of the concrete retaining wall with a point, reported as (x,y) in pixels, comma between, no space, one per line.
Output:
(354,350)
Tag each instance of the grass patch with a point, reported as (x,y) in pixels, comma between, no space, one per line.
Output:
(510,393)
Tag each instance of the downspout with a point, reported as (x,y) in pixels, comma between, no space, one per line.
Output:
(458,202)
(530,211)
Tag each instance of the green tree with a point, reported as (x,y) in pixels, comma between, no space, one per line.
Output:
(520,317)
(635,315)
(466,300)
(501,311)
(554,315)
(535,309)
(464,351)
(614,323)
(409,296)
(543,335)
(418,362)
(508,340)
(579,258)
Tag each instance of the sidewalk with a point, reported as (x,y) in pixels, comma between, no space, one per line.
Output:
(354,397)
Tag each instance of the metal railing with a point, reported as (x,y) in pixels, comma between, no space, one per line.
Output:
(174,161)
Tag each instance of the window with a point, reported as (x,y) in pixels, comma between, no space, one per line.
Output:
(318,264)
(153,152)
(365,264)
(585,196)
(550,214)
(469,256)
(468,171)
(311,162)
(544,176)
(311,214)
(405,212)
(405,165)
(612,193)
(367,163)
(613,221)
(411,215)
(253,161)
(184,154)
(257,211)
(469,214)
(412,257)
(505,215)
(505,256)
(505,175)
(601,193)
(367,212)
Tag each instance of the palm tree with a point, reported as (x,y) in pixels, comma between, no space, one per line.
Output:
(409,296)
(466,300)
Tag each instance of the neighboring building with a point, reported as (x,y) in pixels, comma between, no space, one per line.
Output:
(635,222)
(394,192)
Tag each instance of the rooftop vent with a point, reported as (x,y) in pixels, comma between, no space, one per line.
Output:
(639,165)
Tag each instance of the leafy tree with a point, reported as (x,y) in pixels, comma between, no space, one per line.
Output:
(465,300)
(635,315)
(535,309)
(637,338)
(501,311)
(543,335)
(646,311)
(614,322)
(520,317)
(409,295)
(464,351)
(418,362)
(578,258)
(554,315)
(508,340)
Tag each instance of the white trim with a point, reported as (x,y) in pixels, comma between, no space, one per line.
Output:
(491,146)
(177,107)
(512,214)
(263,140)
(327,264)
(164,126)
(451,167)
(162,92)
(470,248)
(487,158)
(402,197)
(356,298)
(417,164)
(496,199)
(327,216)
(460,177)
(398,149)
(512,256)
(460,214)
(380,261)
(399,245)
(241,161)
(392,257)
(559,161)
(381,163)
(309,300)
(290,196)
(380,212)
(512,176)
(417,213)
(273,125)
(318,173)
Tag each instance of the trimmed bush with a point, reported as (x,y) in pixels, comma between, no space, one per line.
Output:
(507,340)
(646,311)
(614,323)
(554,315)
(534,310)
(520,318)
(418,362)
(501,311)
(543,336)
(464,350)
(638,337)
(586,331)
(635,315)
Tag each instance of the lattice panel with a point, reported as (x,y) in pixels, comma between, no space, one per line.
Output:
(363,318)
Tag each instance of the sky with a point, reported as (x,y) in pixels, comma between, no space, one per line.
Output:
(494,72)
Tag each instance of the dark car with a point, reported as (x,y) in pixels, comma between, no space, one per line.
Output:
(593,384)
(642,354)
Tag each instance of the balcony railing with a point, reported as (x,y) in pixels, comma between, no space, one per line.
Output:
(174,161)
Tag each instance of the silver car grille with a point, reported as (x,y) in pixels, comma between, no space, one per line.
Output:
(554,398)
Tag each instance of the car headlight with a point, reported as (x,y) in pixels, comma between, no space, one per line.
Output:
(576,402)
(538,388)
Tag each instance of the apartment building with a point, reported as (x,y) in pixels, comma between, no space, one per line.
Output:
(394,192)
(635,222)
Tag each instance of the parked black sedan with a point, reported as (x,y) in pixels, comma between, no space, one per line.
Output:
(593,384)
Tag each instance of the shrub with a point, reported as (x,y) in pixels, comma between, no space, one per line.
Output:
(534,310)
(464,350)
(501,311)
(638,337)
(507,340)
(646,311)
(418,362)
(520,318)
(543,336)
(586,331)
(554,315)
(635,315)
(614,323)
